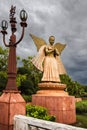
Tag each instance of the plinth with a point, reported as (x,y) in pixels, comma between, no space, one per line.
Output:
(11,103)
(57,101)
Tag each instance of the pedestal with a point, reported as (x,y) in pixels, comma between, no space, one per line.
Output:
(11,103)
(57,101)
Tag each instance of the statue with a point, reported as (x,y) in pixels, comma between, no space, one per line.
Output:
(48,59)
(51,92)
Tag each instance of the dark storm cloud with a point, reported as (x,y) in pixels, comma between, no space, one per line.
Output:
(65,19)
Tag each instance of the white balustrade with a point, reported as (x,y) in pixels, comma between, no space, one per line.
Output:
(30,123)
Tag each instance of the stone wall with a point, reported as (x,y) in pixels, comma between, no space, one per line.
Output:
(29,123)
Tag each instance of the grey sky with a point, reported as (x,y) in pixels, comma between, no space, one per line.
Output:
(65,19)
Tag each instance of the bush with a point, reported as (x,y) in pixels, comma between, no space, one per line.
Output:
(81,107)
(38,112)
(27,98)
(3,80)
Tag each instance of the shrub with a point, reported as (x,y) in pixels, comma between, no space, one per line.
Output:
(38,112)
(27,98)
(81,107)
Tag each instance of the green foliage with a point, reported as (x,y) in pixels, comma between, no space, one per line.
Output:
(85,87)
(27,98)
(3,59)
(3,68)
(20,78)
(81,120)
(73,87)
(84,95)
(28,77)
(32,71)
(27,87)
(81,107)
(3,80)
(38,112)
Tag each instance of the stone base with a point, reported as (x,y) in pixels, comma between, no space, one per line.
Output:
(52,93)
(57,101)
(11,103)
(50,88)
(62,107)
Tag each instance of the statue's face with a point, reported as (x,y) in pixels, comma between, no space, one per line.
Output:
(51,40)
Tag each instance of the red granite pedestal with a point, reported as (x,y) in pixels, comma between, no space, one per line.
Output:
(57,101)
(11,103)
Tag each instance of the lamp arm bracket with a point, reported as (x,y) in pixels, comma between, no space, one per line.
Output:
(5,41)
(22,35)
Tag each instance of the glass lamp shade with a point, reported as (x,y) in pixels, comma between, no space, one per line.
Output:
(4,25)
(23,15)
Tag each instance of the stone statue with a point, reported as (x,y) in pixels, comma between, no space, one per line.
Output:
(51,93)
(48,59)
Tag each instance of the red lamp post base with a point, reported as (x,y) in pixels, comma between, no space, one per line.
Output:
(11,103)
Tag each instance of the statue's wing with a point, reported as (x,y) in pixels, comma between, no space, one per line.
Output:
(38,41)
(60,47)
(39,58)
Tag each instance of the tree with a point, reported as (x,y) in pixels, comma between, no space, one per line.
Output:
(3,59)
(3,68)
(29,85)
(28,77)
(3,81)
(73,87)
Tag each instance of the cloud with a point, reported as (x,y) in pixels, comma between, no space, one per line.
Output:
(65,19)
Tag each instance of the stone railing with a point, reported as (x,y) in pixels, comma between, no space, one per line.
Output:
(29,123)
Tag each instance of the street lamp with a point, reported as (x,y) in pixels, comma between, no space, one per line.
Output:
(4,25)
(12,70)
(23,15)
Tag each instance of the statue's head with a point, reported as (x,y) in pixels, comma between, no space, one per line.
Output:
(51,40)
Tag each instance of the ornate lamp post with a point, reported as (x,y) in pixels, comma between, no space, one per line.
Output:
(11,102)
(11,84)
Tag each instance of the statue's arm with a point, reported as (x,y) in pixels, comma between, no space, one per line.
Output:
(48,51)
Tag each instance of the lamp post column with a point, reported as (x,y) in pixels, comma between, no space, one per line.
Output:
(12,71)
(11,83)
(11,102)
